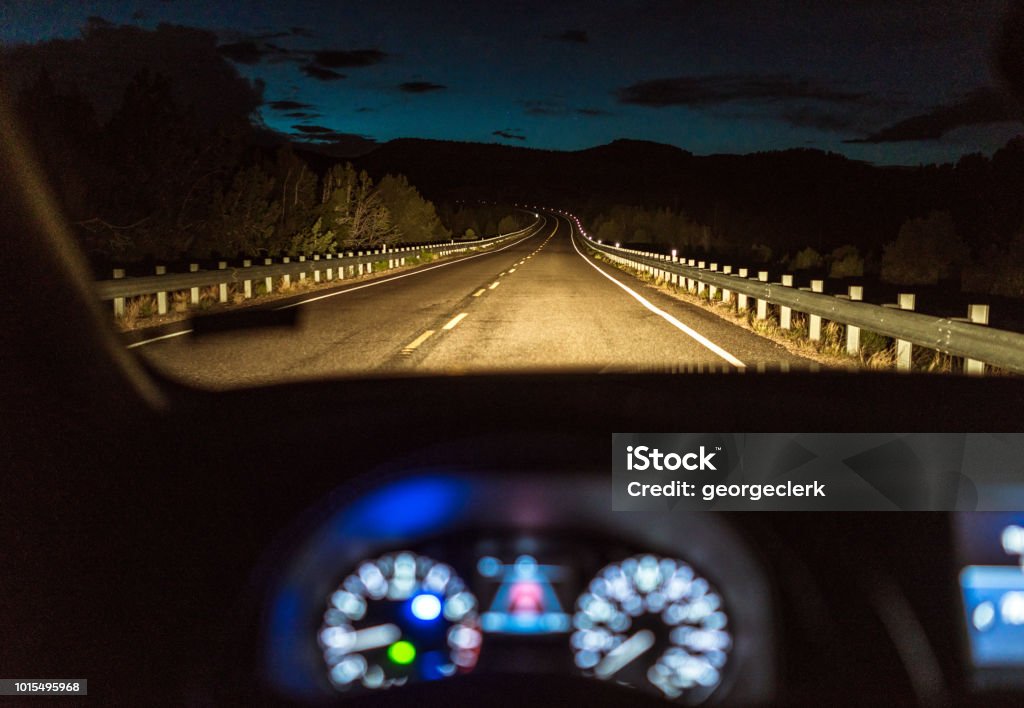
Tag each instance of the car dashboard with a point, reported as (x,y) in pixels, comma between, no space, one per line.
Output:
(436,575)
(449,563)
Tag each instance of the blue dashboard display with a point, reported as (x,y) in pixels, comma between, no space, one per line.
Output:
(994,601)
(525,601)
(992,588)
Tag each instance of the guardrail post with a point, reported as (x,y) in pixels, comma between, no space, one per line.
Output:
(302,274)
(700,283)
(268,282)
(118,301)
(856,294)
(726,292)
(161,297)
(814,328)
(316,271)
(904,349)
(741,299)
(247,283)
(193,293)
(223,286)
(360,264)
(712,290)
(786,313)
(978,314)
(286,279)
(762,305)
(330,271)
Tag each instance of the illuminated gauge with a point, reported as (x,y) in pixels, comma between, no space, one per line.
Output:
(652,623)
(396,619)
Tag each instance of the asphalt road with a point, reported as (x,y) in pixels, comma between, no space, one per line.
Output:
(535,304)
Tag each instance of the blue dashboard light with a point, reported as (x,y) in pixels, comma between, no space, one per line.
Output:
(411,506)
(425,607)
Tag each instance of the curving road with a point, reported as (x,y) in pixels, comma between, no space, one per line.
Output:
(536,304)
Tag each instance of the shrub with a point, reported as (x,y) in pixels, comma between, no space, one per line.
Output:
(846,262)
(761,252)
(807,259)
(927,250)
(998,271)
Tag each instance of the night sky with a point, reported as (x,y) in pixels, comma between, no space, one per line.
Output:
(886,81)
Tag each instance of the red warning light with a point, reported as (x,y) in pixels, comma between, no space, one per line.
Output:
(526,597)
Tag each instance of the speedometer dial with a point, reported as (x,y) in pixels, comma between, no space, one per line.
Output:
(652,623)
(399,618)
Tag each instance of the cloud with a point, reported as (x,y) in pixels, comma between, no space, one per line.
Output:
(702,91)
(313,129)
(348,59)
(321,74)
(247,52)
(321,135)
(302,114)
(593,112)
(420,87)
(508,134)
(979,107)
(254,50)
(365,109)
(288,105)
(574,36)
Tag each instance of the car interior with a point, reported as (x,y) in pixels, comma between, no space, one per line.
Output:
(268,545)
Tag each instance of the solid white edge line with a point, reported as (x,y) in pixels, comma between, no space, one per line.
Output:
(455,320)
(406,275)
(157,339)
(695,335)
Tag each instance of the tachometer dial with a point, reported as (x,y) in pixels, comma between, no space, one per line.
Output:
(652,623)
(399,618)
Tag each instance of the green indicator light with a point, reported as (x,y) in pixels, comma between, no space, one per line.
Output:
(402,652)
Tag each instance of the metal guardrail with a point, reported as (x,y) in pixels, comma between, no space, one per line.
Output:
(967,337)
(332,266)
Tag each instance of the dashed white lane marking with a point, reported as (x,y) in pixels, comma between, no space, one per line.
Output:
(479,292)
(455,320)
(411,346)
(493,285)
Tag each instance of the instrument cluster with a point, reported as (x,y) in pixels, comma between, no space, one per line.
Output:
(429,578)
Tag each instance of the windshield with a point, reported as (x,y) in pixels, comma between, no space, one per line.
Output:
(279,192)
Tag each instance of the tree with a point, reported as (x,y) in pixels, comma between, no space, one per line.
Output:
(846,262)
(354,210)
(507,225)
(807,259)
(313,240)
(925,251)
(244,216)
(413,217)
(297,193)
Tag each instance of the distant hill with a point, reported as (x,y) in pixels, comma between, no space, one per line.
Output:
(800,196)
